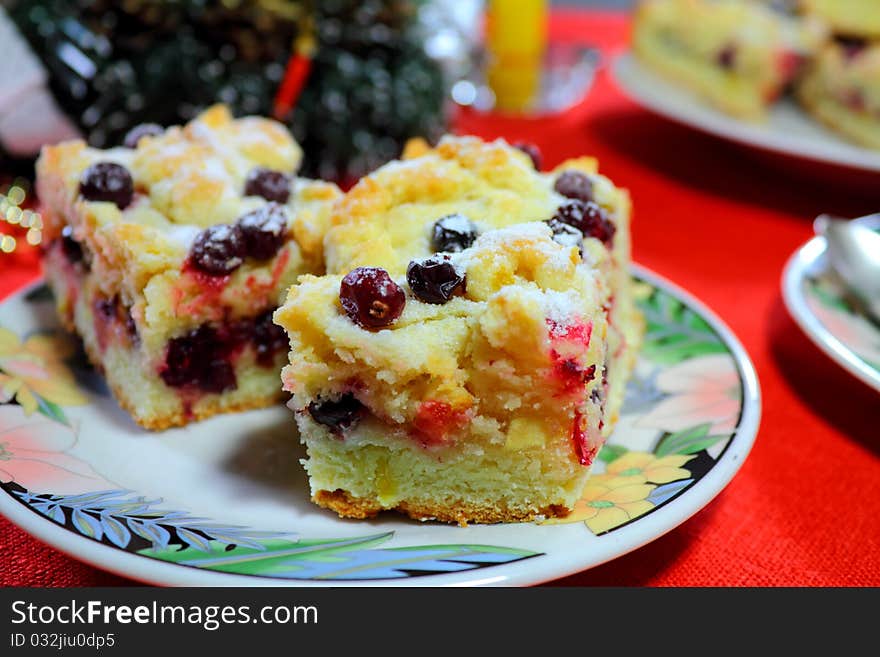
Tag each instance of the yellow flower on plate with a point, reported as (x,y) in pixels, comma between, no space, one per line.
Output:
(35,368)
(641,467)
(609,501)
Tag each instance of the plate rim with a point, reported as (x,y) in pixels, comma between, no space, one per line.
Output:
(711,121)
(793,276)
(603,548)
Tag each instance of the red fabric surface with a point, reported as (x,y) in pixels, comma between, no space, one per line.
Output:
(720,221)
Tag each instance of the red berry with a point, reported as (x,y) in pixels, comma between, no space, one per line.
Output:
(370,298)
(199,359)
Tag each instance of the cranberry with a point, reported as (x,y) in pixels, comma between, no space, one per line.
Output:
(269,339)
(566,234)
(133,136)
(727,57)
(107,181)
(72,249)
(271,185)
(218,250)
(852,46)
(264,230)
(574,184)
(339,414)
(370,298)
(107,307)
(532,151)
(453,233)
(434,280)
(589,218)
(199,359)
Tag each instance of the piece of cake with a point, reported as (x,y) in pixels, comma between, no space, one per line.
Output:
(842,90)
(169,254)
(853,18)
(466,354)
(738,55)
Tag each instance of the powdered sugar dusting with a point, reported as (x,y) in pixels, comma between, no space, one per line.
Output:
(561,309)
(182,234)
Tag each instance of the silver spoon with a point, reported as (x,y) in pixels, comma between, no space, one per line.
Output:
(853,248)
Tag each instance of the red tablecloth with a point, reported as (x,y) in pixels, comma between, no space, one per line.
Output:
(804,510)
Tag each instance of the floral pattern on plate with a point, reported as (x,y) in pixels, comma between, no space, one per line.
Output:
(59,460)
(828,301)
(818,302)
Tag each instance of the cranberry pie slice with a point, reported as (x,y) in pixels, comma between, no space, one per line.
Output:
(466,354)
(842,90)
(738,55)
(168,256)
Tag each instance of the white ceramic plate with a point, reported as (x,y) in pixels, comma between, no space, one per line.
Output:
(817,300)
(788,130)
(225,502)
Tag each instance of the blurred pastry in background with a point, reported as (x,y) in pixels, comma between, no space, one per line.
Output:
(855,18)
(842,88)
(738,55)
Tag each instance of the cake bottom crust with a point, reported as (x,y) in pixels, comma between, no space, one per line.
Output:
(349,506)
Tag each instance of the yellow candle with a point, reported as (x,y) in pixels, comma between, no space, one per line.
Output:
(516,37)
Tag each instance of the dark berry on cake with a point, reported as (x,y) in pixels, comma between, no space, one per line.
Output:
(107,181)
(269,339)
(589,218)
(434,280)
(264,231)
(339,414)
(218,250)
(199,359)
(453,233)
(566,234)
(575,185)
(370,298)
(271,185)
(727,57)
(532,151)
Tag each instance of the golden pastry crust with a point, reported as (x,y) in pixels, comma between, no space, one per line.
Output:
(385,219)
(462,513)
